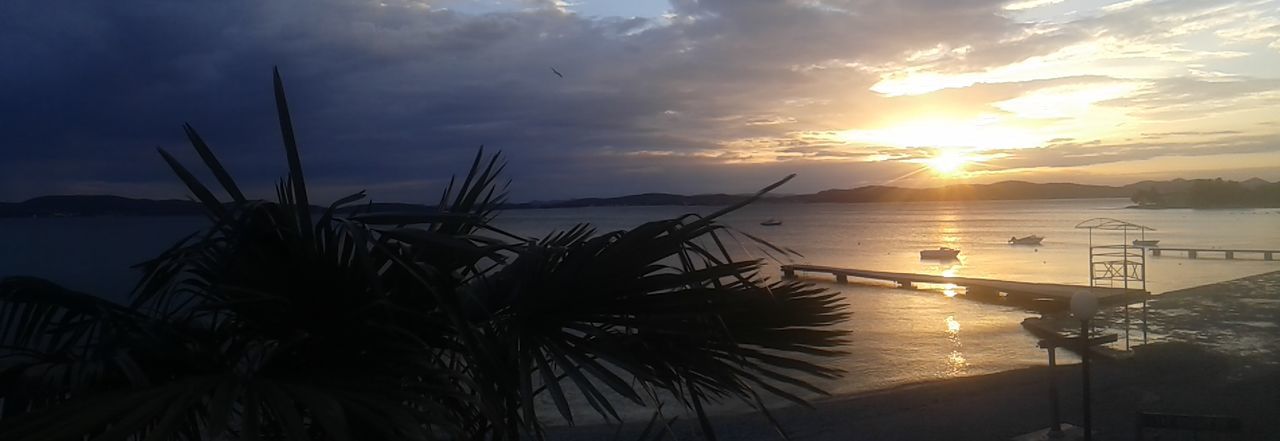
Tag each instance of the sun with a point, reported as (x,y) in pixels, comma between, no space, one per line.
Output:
(948,163)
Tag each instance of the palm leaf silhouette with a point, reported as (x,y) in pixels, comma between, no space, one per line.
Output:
(274,324)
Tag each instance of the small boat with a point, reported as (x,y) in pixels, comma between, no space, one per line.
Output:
(940,253)
(771,223)
(1028,240)
(1145,243)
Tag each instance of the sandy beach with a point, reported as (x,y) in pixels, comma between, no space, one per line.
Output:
(1215,350)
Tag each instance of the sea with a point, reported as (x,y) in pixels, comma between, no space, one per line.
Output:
(897,336)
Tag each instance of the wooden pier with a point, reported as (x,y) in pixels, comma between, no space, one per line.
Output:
(1018,291)
(1229,254)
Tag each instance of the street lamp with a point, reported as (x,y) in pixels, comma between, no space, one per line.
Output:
(1083,306)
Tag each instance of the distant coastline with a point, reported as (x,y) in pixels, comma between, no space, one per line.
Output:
(1178,193)
(1206,193)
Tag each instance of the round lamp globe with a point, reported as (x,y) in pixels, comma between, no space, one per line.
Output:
(1084,305)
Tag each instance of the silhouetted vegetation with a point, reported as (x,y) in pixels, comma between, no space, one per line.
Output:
(1211,193)
(1148,197)
(280,323)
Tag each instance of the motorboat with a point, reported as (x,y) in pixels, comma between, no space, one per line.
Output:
(941,253)
(771,223)
(1027,240)
(1145,243)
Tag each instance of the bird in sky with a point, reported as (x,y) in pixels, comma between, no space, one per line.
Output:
(558,74)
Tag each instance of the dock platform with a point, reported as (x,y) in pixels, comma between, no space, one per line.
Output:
(1228,254)
(1019,291)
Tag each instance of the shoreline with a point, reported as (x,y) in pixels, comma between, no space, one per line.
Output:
(1194,367)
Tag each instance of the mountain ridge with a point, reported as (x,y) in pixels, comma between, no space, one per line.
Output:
(100,205)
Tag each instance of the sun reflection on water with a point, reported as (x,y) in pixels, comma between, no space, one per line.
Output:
(953,327)
(949,289)
(948,231)
(955,363)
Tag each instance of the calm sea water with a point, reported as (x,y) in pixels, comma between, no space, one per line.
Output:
(899,336)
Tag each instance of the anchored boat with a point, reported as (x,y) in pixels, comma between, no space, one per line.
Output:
(941,253)
(1027,240)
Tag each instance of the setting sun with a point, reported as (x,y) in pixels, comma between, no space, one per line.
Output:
(948,163)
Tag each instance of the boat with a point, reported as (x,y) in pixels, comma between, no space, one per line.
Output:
(1027,240)
(940,254)
(771,222)
(1145,243)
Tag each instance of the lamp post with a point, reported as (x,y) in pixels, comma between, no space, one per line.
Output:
(1083,306)
(1055,422)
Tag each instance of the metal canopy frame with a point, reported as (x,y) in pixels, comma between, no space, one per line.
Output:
(1113,263)
(1123,264)
(1110,224)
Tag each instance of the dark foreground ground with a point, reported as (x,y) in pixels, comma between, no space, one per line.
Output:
(1217,356)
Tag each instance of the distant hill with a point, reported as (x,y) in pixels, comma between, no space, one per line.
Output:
(1008,190)
(638,200)
(98,205)
(1198,193)
(1174,186)
(104,205)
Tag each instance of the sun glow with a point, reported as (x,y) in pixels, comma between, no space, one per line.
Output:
(984,133)
(948,163)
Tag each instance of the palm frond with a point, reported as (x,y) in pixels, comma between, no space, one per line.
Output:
(708,326)
(479,194)
(406,326)
(214,165)
(202,193)
(297,184)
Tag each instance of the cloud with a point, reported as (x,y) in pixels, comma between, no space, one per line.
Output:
(1073,154)
(394,95)
(1030,4)
(1192,98)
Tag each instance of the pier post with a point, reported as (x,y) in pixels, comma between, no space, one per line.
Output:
(1191,254)
(788,272)
(842,278)
(1267,256)
(906,284)
(1126,325)
(1231,255)
(1144,319)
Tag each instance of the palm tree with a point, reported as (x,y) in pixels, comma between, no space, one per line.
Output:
(280,321)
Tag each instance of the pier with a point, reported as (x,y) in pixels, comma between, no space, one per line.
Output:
(1019,291)
(1228,254)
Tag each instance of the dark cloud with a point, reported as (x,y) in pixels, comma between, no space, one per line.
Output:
(397,95)
(393,96)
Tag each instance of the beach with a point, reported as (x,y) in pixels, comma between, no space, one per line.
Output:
(1213,352)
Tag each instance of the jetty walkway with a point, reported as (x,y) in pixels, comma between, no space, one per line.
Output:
(1019,291)
(1229,254)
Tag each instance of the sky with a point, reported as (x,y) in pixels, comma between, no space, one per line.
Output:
(682,96)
